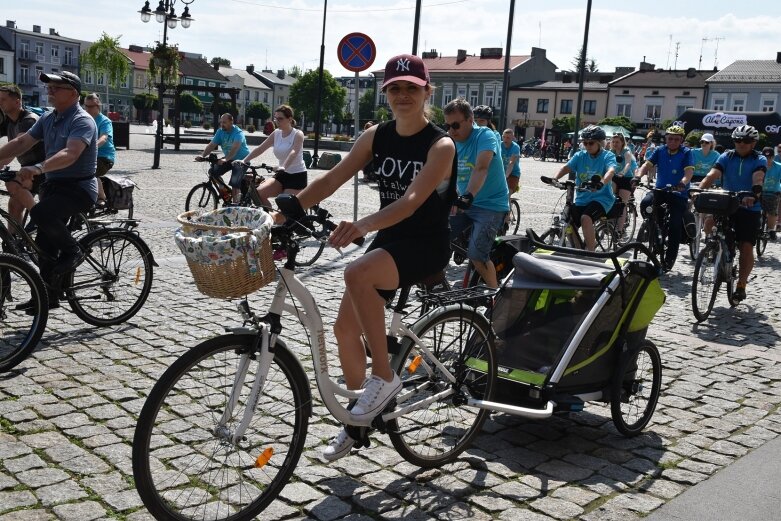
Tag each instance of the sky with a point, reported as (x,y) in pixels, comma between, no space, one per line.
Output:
(278,34)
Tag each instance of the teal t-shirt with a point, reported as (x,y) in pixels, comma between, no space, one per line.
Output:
(703,163)
(226,139)
(587,166)
(494,194)
(507,153)
(620,158)
(772,178)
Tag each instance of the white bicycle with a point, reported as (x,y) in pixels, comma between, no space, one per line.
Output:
(223,428)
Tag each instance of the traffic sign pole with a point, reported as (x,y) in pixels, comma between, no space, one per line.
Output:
(357,122)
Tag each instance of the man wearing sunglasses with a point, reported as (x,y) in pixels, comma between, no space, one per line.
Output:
(484,197)
(69,136)
(674,167)
(742,170)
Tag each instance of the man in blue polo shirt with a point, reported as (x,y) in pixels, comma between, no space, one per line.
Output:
(484,197)
(742,170)
(234,148)
(674,167)
(69,136)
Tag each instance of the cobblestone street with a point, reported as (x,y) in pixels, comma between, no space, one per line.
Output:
(68,413)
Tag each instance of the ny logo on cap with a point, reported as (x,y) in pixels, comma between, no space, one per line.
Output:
(402,64)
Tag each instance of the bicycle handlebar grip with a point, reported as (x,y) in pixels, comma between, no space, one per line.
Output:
(331,226)
(7,175)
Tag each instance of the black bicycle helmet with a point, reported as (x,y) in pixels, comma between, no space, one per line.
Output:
(483,112)
(593,132)
(745,132)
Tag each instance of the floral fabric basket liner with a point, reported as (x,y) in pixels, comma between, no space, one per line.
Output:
(228,250)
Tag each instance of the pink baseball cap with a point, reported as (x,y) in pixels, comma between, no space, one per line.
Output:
(406,67)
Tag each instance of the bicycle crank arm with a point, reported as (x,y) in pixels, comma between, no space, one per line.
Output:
(526,412)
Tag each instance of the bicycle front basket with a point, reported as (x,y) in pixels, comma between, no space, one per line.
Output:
(716,203)
(228,250)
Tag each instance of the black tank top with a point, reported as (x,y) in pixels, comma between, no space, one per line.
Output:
(397,160)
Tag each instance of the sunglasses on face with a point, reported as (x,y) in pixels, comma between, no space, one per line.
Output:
(90,106)
(741,140)
(589,143)
(454,125)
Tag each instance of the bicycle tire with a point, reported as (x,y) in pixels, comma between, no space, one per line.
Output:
(729,281)
(627,390)
(515,217)
(310,245)
(202,196)
(461,339)
(761,243)
(20,332)
(184,469)
(630,224)
(605,235)
(113,281)
(706,282)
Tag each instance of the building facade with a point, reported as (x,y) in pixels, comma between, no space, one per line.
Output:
(279,84)
(6,62)
(194,71)
(252,89)
(115,98)
(746,86)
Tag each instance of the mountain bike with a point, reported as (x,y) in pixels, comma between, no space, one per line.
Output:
(21,290)
(224,427)
(655,228)
(109,285)
(716,262)
(763,236)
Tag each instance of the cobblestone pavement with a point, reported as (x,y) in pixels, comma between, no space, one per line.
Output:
(67,414)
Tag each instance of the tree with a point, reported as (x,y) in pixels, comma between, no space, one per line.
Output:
(564,124)
(164,61)
(366,105)
(437,115)
(294,71)
(382,114)
(303,95)
(189,104)
(618,121)
(104,57)
(225,62)
(143,103)
(260,111)
(591,63)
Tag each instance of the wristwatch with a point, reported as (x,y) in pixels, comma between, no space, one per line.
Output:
(39,166)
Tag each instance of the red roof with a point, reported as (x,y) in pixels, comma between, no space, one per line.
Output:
(471,63)
(141,59)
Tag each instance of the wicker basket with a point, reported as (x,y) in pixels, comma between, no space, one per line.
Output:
(244,274)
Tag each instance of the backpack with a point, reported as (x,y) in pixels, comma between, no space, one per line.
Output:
(119,192)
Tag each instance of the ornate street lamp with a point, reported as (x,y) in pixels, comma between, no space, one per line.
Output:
(165,15)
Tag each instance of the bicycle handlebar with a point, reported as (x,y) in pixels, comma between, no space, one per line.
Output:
(6,174)
(567,184)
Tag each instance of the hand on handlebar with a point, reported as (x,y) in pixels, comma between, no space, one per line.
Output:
(464,201)
(200,159)
(596,182)
(345,233)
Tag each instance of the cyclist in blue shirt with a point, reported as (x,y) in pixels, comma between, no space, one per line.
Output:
(484,198)
(674,167)
(625,171)
(742,170)
(106,150)
(704,157)
(592,167)
(234,147)
(511,155)
(770,190)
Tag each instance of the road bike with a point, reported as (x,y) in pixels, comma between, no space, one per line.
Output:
(715,263)
(223,428)
(21,290)
(111,282)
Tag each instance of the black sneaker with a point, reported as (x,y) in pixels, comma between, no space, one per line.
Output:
(740,294)
(772,235)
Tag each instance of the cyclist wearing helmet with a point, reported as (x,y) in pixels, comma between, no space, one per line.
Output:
(675,166)
(733,167)
(592,166)
(484,118)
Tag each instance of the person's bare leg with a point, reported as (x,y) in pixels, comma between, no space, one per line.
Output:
(587,225)
(268,189)
(487,271)
(746,263)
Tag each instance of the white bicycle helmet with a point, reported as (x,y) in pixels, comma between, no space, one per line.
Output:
(745,132)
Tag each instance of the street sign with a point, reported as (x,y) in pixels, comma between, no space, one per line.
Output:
(356,52)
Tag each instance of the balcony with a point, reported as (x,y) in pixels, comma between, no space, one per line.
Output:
(27,57)
(70,64)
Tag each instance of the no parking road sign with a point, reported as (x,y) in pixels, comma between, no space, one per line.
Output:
(356,52)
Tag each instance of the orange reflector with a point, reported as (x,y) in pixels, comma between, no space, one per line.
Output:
(264,457)
(138,275)
(413,366)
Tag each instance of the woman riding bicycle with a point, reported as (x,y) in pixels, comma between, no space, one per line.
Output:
(288,146)
(415,163)
(625,171)
(594,169)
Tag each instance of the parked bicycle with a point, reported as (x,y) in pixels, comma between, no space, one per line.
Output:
(225,425)
(716,262)
(110,284)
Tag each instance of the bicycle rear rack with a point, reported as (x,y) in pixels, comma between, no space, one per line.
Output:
(475,296)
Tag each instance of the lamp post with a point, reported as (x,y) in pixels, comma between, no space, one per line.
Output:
(165,15)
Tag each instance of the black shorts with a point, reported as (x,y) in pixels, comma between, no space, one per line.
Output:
(623,183)
(592,209)
(746,224)
(289,181)
(104,165)
(416,258)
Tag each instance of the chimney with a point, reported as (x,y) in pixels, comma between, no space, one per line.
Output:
(216,66)
(135,48)
(491,52)
(10,24)
(691,72)
(36,28)
(281,74)
(461,56)
(250,69)
(52,32)
(645,66)
(538,52)
(430,54)
(778,57)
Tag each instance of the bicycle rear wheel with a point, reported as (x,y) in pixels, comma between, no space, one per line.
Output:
(605,235)
(20,332)
(515,217)
(706,282)
(630,223)
(113,281)
(635,389)
(203,196)
(461,340)
(185,462)
(310,243)
(762,237)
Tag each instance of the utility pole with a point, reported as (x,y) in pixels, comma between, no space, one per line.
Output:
(677,46)
(716,52)
(702,46)
(669,50)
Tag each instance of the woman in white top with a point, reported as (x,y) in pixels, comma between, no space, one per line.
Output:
(288,143)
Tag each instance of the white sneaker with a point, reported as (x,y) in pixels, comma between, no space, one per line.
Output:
(339,446)
(377,393)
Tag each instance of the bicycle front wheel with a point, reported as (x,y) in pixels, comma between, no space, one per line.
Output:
(762,236)
(706,282)
(113,281)
(605,235)
(186,463)
(310,243)
(436,433)
(21,290)
(201,197)
(515,217)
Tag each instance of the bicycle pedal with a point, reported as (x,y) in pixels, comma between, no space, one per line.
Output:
(360,435)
